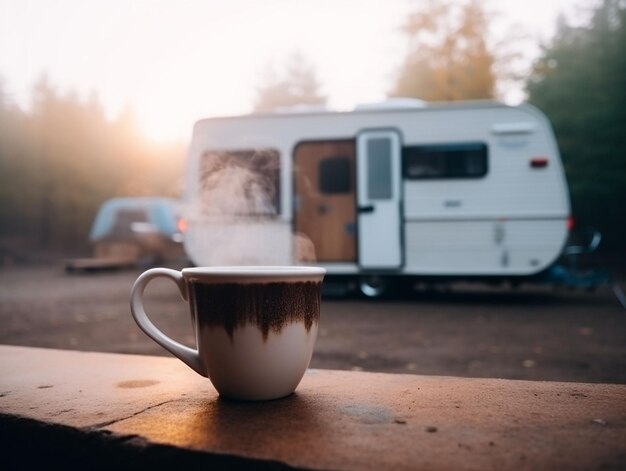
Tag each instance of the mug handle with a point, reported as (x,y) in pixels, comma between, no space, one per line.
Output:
(188,355)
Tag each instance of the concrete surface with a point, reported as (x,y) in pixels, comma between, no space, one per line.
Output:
(137,406)
(534,333)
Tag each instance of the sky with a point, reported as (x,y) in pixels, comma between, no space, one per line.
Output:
(175,62)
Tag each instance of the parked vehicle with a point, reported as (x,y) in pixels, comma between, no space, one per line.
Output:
(133,231)
(453,190)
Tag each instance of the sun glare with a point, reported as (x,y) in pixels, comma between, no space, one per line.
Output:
(175,63)
(168,107)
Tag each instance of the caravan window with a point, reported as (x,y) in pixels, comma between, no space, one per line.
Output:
(335,175)
(466,160)
(240,183)
(379,182)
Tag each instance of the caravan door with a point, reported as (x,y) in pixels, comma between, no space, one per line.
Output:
(379,199)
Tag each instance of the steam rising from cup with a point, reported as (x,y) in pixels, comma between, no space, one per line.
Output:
(234,219)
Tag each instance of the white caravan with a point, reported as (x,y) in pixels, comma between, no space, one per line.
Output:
(454,190)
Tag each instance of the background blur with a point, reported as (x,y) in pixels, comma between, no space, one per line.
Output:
(97,99)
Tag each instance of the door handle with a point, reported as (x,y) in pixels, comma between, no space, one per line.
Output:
(366,209)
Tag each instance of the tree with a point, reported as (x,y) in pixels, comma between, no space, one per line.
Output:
(448,58)
(298,86)
(62,159)
(579,81)
(18,198)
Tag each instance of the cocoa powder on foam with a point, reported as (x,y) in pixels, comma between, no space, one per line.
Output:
(270,306)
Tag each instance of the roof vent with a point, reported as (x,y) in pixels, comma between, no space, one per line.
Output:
(299,109)
(393,104)
(513,128)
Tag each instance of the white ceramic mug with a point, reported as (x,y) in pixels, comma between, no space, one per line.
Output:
(255,326)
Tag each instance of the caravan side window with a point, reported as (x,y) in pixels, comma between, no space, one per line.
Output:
(240,183)
(464,160)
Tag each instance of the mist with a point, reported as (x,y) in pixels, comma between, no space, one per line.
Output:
(234,218)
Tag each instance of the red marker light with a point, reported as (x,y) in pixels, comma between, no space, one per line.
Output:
(539,162)
(570,223)
(182,225)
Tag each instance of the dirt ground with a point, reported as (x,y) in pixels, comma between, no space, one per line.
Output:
(534,333)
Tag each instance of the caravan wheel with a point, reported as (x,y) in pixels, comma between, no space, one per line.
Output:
(373,286)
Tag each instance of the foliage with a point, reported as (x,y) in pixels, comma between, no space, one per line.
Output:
(448,58)
(62,159)
(580,83)
(298,86)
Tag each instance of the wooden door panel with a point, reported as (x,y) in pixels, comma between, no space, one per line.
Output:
(326,216)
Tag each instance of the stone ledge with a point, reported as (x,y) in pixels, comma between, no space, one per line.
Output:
(26,443)
(104,409)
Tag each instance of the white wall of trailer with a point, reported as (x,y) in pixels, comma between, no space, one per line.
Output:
(512,221)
